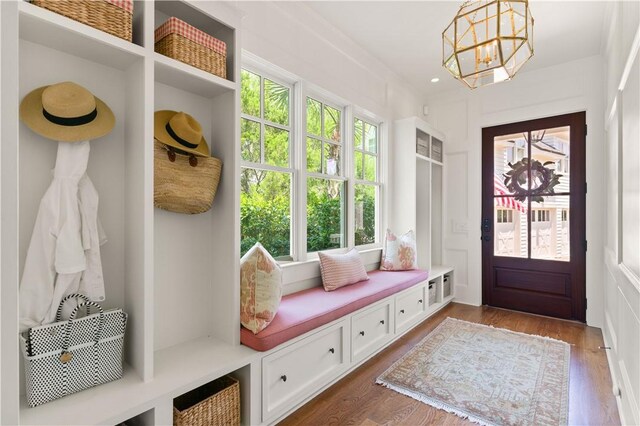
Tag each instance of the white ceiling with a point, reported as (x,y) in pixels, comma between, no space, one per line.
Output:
(407,35)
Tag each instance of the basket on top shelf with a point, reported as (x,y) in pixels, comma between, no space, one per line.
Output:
(179,40)
(215,403)
(111,16)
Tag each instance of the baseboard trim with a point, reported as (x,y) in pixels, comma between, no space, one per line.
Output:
(614,377)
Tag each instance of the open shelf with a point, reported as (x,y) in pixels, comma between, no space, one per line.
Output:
(58,32)
(184,317)
(143,419)
(200,19)
(191,79)
(177,370)
(438,271)
(93,406)
(183,367)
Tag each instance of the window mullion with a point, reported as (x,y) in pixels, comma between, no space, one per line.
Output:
(300,166)
(349,172)
(262,129)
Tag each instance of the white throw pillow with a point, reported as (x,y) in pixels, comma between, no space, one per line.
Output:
(339,270)
(399,253)
(260,288)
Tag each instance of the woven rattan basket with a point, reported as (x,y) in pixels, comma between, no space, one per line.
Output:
(111,16)
(181,41)
(180,187)
(216,403)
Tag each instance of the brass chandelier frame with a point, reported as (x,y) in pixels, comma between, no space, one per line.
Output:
(495,42)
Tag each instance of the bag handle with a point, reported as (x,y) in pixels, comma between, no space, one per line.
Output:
(69,297)
(66,356)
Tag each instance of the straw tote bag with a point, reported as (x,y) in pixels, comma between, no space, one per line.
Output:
(180,186)
(69,356)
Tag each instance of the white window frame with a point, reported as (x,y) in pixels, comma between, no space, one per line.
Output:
(299,91)
(346,136)
(286,82)
(370,119)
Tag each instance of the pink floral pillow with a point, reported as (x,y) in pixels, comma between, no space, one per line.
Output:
(260,288)
(399,253)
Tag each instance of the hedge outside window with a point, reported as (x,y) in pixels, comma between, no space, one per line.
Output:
(273,179)
(266,177)
(367,181)
(326,206)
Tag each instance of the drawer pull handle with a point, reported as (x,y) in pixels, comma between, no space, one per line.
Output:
(382,322)
(402,311)
(362,333)
(420,301)
(283,377)
(333,351)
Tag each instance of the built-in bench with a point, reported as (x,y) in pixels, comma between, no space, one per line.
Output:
(309,309)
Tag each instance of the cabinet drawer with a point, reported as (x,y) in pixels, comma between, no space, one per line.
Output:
(370,330)
(293,373)
(409,307)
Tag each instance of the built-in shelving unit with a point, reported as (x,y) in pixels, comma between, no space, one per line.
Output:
(177,276)
(418,187)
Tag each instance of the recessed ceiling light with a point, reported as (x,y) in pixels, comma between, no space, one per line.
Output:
(435,80)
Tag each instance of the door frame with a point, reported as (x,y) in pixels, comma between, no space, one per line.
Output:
(577,212)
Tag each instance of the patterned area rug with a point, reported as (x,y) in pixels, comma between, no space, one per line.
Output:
(487,375)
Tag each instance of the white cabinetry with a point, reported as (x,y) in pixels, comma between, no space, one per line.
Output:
(410,306)
(370,329)
(168,271)
(418,187)
(296,371)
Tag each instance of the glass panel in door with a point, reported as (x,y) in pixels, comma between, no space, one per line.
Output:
(550,229)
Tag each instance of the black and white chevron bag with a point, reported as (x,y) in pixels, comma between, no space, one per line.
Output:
(69,356)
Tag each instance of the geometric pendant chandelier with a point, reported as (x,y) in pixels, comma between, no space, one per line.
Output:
(488,41)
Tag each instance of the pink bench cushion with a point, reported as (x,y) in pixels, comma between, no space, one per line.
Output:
(303,311)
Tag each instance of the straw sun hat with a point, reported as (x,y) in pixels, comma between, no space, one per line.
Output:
(180,131)
(66,112)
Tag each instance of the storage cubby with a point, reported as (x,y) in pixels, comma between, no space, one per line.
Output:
(146,418)
(111,168)
(243,376)
(177,276)
(432,291)
(418,184)
(423,212)
(423,143)
(221,396)
(437,208)
(447,285)
(184,276)
(436,150)
(191,14)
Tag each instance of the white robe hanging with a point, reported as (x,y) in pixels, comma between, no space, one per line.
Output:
(64,252)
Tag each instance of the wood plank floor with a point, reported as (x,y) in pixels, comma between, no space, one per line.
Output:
(357,400)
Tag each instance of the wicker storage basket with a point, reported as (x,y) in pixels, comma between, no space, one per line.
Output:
(446,287)
(181,41)
(216,403)
(432,293)
(181,188)
(111,16)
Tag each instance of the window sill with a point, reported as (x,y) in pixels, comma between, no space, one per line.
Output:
(314,259)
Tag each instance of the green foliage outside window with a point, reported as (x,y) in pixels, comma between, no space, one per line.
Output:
(265,200)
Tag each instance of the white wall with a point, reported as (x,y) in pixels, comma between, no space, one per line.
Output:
(293,37)
(621,282)
(461,114)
